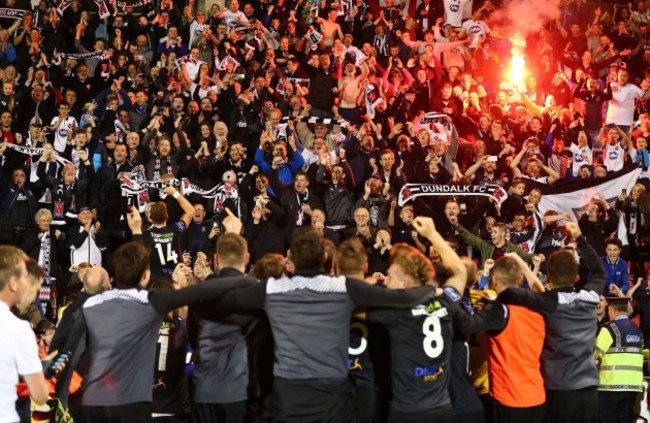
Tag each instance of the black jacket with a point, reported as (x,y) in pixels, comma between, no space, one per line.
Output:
(268,235)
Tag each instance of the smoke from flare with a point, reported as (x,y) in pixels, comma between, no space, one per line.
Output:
(524,17)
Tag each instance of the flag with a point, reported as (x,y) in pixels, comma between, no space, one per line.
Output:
(573,197)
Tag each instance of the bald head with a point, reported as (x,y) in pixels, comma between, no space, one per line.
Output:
(96,280)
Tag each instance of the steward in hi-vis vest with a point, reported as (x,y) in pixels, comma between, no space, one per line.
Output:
(619,351)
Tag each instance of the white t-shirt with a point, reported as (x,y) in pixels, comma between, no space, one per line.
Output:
(196,31)
(578,157)
(61,133)
(454,12)
(613,157)
(19,356)
(621,107)
(472,28)
(193,68)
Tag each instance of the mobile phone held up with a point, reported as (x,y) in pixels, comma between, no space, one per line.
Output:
(57,364)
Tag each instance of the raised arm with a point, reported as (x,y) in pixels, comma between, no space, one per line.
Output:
(188,209)
(451,261)
(587,252)
(469,173)
(553,176)
(534,283)
(470,238)
(515,162)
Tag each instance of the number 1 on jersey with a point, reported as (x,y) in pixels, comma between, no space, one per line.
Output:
(163,340)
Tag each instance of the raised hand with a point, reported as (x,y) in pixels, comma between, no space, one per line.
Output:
(232,223)
(424,226)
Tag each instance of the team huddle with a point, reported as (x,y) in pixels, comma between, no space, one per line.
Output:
(307,338)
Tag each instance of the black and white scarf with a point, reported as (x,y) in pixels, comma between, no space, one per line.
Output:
(300,218)
(381,44)
(45,291)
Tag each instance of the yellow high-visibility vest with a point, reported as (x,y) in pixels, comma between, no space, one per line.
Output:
(619,347)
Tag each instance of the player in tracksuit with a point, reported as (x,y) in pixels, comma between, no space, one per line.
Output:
(119,329)
(568,364)
(309,314)
(515,338)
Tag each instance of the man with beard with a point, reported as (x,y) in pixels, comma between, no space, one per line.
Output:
(483,172)
(376,200)
(448,221)
(208,111)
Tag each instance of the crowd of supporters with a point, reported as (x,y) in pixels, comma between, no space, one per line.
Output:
(263,117)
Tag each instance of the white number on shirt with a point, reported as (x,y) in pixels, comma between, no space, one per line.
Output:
(433,342)
(363,343)
(171,254)
(163,340)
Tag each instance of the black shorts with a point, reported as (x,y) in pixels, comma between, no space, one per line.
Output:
(366,402)
(232,412)
(437,415)
(304,401)
(504,414)
(136,412)
(580,405)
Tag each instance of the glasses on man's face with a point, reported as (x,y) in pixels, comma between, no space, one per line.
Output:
(361,216)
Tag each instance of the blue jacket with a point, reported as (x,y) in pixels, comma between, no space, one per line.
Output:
(616,274)
(8,56)
(285,173)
